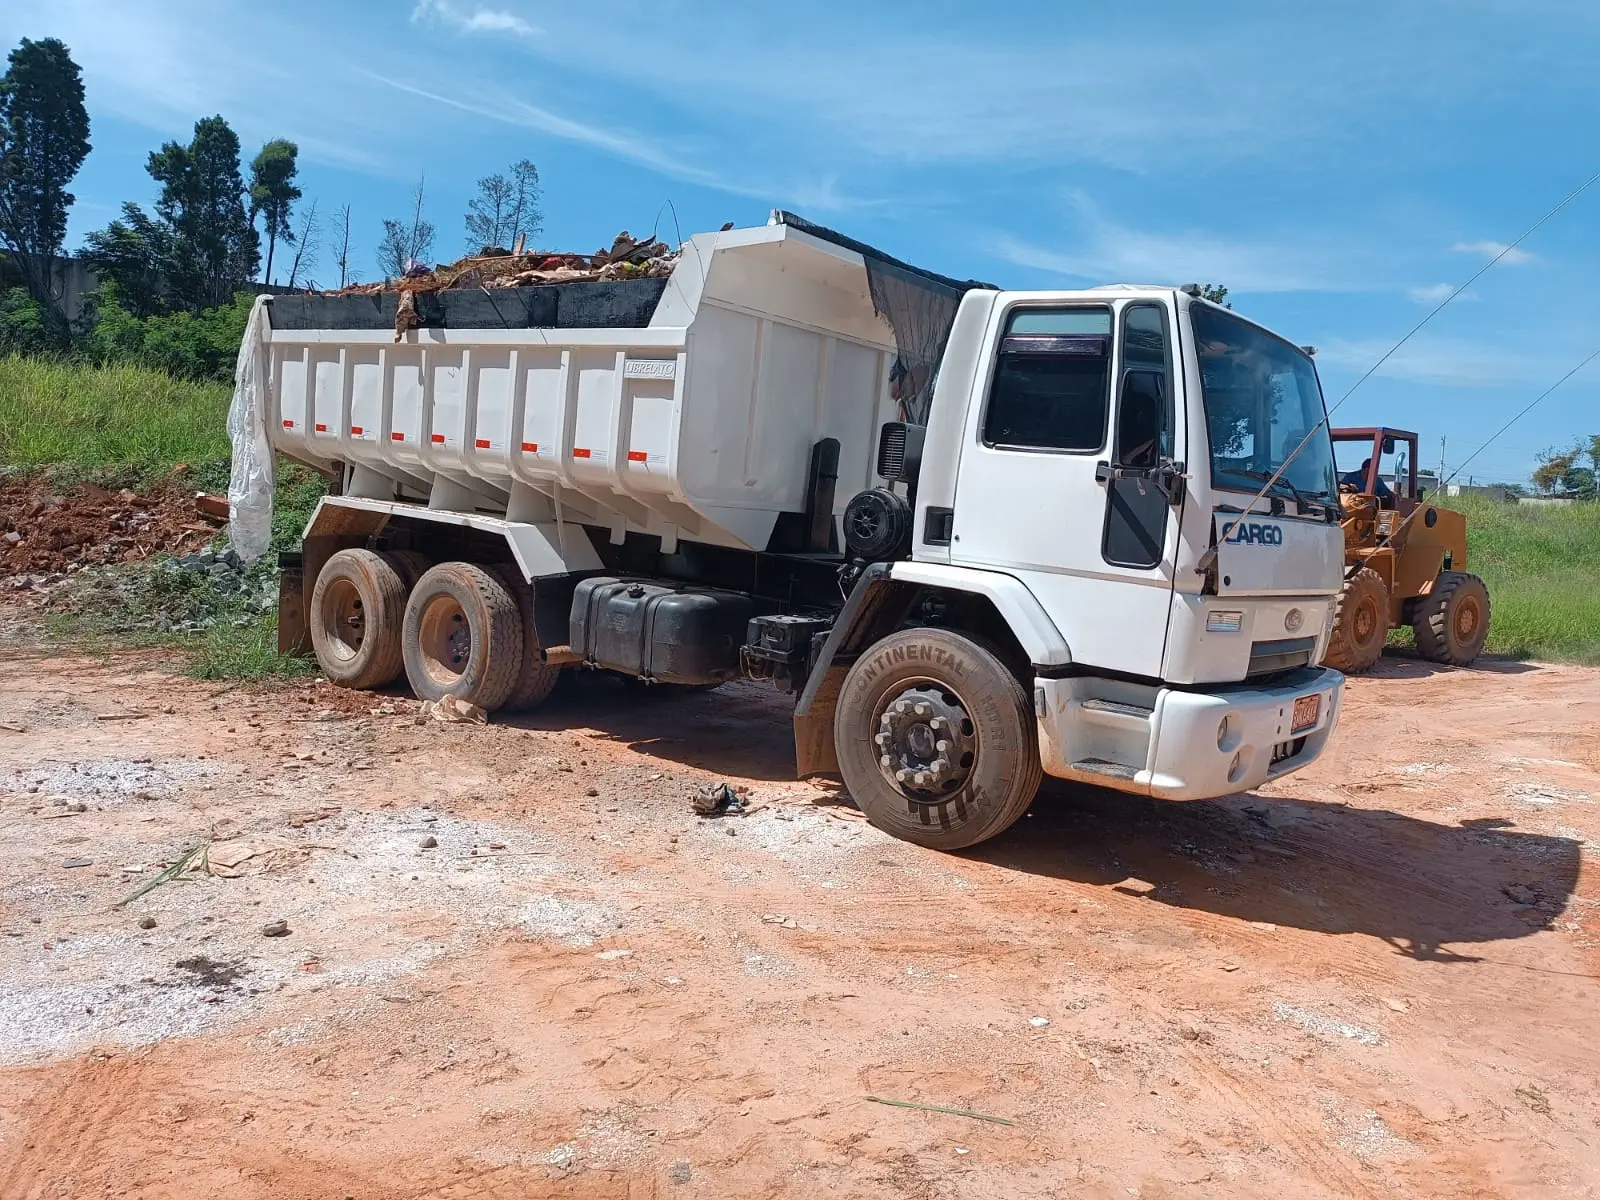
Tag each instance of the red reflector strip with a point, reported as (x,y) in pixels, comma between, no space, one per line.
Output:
(637,456)
(399,437)
(288,424)
(579,452)
(482,443)
(438,439)
(356,431)
(321,428)
(530,447)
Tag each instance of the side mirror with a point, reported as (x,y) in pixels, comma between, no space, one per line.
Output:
(1388,445)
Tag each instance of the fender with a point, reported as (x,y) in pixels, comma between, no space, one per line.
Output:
(885,584)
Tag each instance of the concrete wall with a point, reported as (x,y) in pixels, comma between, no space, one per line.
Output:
(74,281)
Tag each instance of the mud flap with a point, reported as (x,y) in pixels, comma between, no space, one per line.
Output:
(294,634)
(814,752)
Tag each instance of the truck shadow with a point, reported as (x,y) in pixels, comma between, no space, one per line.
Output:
(742,730)
(1419,885)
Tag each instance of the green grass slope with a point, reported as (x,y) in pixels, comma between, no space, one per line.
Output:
(1542,566)
(55,413)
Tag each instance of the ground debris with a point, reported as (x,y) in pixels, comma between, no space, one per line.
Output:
(716,800)
(451,711)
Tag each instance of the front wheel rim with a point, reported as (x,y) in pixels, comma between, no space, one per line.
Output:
(926,741)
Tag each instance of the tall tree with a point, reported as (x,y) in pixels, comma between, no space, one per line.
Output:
(273,193)
(307,245)
(44,138)
(132,254)
(506,207)
(216,249)
(1555,469)
(345,277)
(405,242)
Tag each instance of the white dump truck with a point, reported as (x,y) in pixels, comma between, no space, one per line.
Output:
(981,535)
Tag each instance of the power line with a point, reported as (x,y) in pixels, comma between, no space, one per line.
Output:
(1210,555)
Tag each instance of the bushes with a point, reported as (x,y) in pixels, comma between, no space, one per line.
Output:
(202,345)
(28,327)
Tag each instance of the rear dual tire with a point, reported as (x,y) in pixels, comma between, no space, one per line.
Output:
(462,636)
(455,628)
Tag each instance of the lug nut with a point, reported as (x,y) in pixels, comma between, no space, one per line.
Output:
(923,710)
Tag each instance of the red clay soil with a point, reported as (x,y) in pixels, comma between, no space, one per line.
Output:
(68,528)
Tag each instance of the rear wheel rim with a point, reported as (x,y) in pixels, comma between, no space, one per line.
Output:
(444,640)
(344,619)
(1467,619)
(925,740)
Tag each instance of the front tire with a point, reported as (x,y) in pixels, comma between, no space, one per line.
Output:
(936,739)
(462,636)
(1360,624)
(1452,620)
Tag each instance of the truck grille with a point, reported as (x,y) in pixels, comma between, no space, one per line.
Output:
(1284,654)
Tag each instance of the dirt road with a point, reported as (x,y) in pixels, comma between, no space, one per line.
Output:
(1380,977)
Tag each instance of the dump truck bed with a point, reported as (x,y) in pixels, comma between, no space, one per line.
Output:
(688,408)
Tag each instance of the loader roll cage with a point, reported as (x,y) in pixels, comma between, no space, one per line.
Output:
(1381,440)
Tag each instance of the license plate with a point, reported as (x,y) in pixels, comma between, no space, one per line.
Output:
(1306,711)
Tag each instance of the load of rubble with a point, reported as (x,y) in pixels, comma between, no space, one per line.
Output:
(628,258)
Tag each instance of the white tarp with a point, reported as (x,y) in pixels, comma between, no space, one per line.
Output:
(250,485)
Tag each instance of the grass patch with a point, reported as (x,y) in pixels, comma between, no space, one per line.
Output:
(246,649)
(59,413)
(1542,567)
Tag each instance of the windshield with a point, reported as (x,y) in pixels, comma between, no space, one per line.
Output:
(1262,398)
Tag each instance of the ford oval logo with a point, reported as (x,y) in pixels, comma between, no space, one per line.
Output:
(1293,619)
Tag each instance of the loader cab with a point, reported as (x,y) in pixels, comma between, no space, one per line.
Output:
(1379,464)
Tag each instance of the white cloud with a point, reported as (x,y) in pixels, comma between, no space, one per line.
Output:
(477,20)
(1491,249)
(1105,251)
(1437,293)
(1445,361)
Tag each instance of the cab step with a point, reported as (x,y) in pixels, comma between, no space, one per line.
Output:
(1101,766)
(1120,708)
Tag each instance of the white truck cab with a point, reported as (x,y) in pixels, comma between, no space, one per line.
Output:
(1017,539)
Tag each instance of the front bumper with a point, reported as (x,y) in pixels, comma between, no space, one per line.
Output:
(1182,750)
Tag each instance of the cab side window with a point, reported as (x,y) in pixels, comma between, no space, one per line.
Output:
(1052,383)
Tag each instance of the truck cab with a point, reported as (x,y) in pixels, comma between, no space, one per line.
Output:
(1092,462)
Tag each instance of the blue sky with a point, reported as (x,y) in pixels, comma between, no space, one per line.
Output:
(1336,166)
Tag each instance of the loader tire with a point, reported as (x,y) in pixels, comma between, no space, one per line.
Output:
(536,679)
(357,610)
(1360,623)
(462,636)
(1452,620)
(936,739)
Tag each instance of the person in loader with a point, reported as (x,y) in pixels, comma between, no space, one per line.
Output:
(1356,481)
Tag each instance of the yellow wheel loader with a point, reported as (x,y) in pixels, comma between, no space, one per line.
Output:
(1405,561)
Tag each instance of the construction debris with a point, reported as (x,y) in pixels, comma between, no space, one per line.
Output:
(61,531)
(447,708)
(628,258)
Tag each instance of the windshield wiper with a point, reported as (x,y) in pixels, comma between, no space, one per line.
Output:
(1303,500)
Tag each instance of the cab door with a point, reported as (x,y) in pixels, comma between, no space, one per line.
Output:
(1060,477)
